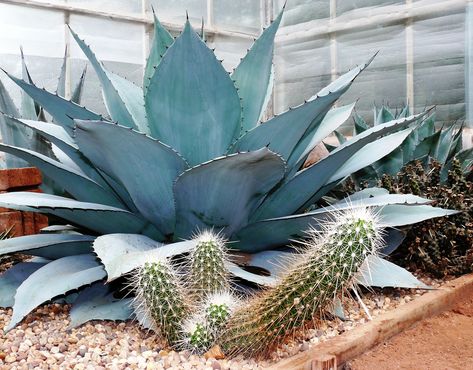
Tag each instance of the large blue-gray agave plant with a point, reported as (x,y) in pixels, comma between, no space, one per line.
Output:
(186,153)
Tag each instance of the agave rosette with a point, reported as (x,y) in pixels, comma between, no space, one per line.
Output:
(186,153)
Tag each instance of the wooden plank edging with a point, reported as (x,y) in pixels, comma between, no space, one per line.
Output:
(353,343)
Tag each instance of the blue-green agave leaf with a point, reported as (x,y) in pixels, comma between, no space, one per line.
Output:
(148,174)
(275,262)
(392,239)
(121,253)
(360,124)
(332,120)
(222,193)
(98,217)
(364,194)
(384,115)
(75,183)
(400,214)
(252,76)
(446,141)
(11,279)
(11,133)
(276,232)
(44,284)
(191,102)
(98,303)
(282,133)
(49,246)
(237,271)
(376,271)
(28,106)
(78,90)
(299,191)
(61,83)
(162,40)
(63,111)
(124,100)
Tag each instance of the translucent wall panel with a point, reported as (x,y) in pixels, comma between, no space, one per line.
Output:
(299,12)
(302,69)
(237,15)
(127,7)
(40,32)
(175,10)
(111,40)
(439,70)
(344,6)
(384,81)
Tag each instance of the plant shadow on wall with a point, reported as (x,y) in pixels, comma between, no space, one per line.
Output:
(186,153)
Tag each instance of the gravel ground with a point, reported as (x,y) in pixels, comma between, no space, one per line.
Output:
(43,341)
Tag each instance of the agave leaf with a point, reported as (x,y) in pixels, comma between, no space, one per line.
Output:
(43,284)
(392,239)
(341,139)
(97,303)
(332,120)
(360,124)
(77,93)
(192,94)
(282,133)
(98,217)
(12,279)
(162,40)
(149,172)
(11,133)
(427,146)
(391,163)
(237,271)
(124,100)
(252,76)
(276,232)
(223,193)
(446,141)
(300,190)
(401,215)
(426,128)
(50,246)
(275,262)
(376,271)
(370,153)
(75,183)
(61,83)
(28,106)
(121,253)
(63,111)
(384,115)
(364,194)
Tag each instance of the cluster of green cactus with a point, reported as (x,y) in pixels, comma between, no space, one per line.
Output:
(441,246)
(321,272)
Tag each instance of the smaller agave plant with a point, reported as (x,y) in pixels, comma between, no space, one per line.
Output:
(186,152)
(425,143)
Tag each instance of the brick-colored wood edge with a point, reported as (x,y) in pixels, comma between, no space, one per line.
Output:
(357,341)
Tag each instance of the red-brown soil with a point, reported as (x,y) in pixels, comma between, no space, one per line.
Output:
(443,342)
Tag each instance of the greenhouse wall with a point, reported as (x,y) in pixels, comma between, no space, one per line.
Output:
(424,52)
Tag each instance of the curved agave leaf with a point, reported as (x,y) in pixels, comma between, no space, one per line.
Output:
(12,133)
(28,107)
(300,190)
(376,271)
(148,174)
(191,102)
(63,111)
(97,303)
(273,261)
(124,100)
(161,42)
(121,253)
(98,217)
(11,279)
(277,232)
(237,271)
(50,246)
(392,239)
(43,284)
(252,76)
(282,133)
(332,120)
(75,183)
(222,193)
(61,82)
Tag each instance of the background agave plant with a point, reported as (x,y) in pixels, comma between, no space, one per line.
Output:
(425,143)
(185,153)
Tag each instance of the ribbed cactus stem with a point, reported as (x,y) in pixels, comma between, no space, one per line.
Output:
(197,336)
(320,273)
(207,270)
(162,298)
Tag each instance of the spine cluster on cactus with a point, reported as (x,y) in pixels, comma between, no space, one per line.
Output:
(323,271)
(162,298)
(207,271)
